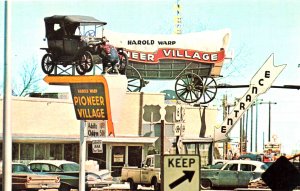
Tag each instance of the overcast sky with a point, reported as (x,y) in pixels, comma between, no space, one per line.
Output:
(258,29)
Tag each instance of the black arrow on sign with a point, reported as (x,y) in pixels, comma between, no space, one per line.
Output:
(187,175)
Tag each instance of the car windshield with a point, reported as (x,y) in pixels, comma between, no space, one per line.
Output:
(70,167)
(19,168)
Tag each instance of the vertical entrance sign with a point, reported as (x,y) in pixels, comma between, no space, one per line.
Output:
(260,83)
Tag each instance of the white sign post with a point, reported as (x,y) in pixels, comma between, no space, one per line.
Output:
(181,172)
(97,146)
(259,84)
(96,128)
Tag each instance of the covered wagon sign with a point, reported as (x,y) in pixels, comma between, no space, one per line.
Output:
(206,50)
(89,101)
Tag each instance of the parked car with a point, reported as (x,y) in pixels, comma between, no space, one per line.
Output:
(217,164)
(69,174)
(250,156)
(148,175)
(234,174)
(24,179)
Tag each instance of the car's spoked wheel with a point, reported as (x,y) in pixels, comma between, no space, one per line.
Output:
(47,63)
(86,61)
(188,87)
(80,70)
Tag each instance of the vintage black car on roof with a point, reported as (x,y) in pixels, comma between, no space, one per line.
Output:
(73,40)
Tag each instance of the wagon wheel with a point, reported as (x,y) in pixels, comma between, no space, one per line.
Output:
(187,87)
(209,89)
(47,63)
(85,63)
(135,81)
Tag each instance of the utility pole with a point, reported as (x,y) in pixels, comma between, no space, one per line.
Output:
(7,103)
(269,128)
(257,101)
(251,131)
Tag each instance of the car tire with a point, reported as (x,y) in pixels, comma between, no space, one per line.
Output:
(132,185)
(64,187)
(206,184)
(155,184)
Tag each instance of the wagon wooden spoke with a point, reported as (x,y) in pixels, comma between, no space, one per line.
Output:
(134,79)
(185,87)
(209,90)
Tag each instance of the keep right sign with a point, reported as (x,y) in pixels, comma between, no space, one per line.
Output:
(181,172)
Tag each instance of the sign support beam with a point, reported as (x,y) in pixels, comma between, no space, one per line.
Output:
(83,135)
(7,105)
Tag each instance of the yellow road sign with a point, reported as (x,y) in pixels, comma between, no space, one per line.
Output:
(181,172)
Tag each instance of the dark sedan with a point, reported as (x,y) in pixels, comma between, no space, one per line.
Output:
(69,174)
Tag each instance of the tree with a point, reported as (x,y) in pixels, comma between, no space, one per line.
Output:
(28,80)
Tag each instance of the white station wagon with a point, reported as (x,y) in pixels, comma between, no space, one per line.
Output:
(234,174)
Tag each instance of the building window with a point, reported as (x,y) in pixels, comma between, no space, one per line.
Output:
(118,160)
(56,151)
(71,152)
(99,157)
(134,156)
(27,151)
(15,151)
(41,151)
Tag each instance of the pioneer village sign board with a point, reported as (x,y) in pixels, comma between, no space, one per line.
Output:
(89,101)
(260,83)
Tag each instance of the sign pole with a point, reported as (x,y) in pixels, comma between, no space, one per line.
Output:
(7,132)
(83,134)
(162,146)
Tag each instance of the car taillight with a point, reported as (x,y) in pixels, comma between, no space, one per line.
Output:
(57,179)
(29,179)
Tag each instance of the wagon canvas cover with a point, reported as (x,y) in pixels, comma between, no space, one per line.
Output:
(203,51)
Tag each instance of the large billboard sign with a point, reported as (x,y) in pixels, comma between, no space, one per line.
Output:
(260,83)
(89,101)
(175,54)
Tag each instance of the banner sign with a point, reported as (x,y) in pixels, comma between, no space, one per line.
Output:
(259,84)
(175,54)
(89,101)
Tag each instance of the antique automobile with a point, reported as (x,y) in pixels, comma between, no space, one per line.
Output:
(68,172)
(74,42)
(234,174)
(24,179)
